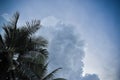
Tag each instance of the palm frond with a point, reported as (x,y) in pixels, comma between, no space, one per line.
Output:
(59,79)
(25,73)
(10,30)
(20,39)
(40,41)
(32,27)
(50,76)
(8,36)
(36,62)
(43,71)
(14,20)
(37,43)
(2,45)
(5,28)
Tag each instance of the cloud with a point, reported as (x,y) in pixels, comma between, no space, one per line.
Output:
(90,77)
(50,21)
(66,49)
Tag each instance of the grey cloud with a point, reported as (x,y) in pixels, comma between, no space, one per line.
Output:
(66,53)
(66,50)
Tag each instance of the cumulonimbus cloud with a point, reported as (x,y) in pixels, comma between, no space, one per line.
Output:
(66,50)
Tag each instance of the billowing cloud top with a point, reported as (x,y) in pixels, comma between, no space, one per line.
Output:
(66,49)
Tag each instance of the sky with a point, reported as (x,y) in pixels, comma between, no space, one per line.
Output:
(83,35)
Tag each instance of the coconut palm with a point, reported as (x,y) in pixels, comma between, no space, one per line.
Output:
(22,55)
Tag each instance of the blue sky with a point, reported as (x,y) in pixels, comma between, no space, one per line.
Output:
(93,28)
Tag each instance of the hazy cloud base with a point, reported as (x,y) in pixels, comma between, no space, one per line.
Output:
(66,49)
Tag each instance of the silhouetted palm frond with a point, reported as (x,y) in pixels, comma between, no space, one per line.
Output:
(50,76)
(59,79)
(2,45)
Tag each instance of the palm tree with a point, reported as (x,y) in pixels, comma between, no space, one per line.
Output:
(22,55)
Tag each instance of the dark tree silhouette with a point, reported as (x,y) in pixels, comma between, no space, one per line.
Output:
(22,55)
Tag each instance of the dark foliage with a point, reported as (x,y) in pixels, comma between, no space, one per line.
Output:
(23,56)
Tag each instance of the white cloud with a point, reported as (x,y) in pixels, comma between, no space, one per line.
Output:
(49,21)
(90,77)
(66,48)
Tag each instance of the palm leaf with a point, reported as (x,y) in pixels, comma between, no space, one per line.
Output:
(2,45)
(36,57)
(32,27)
(24,72)
(40,41)
(59,79)
(51,75)
(14,20)
(44,71)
